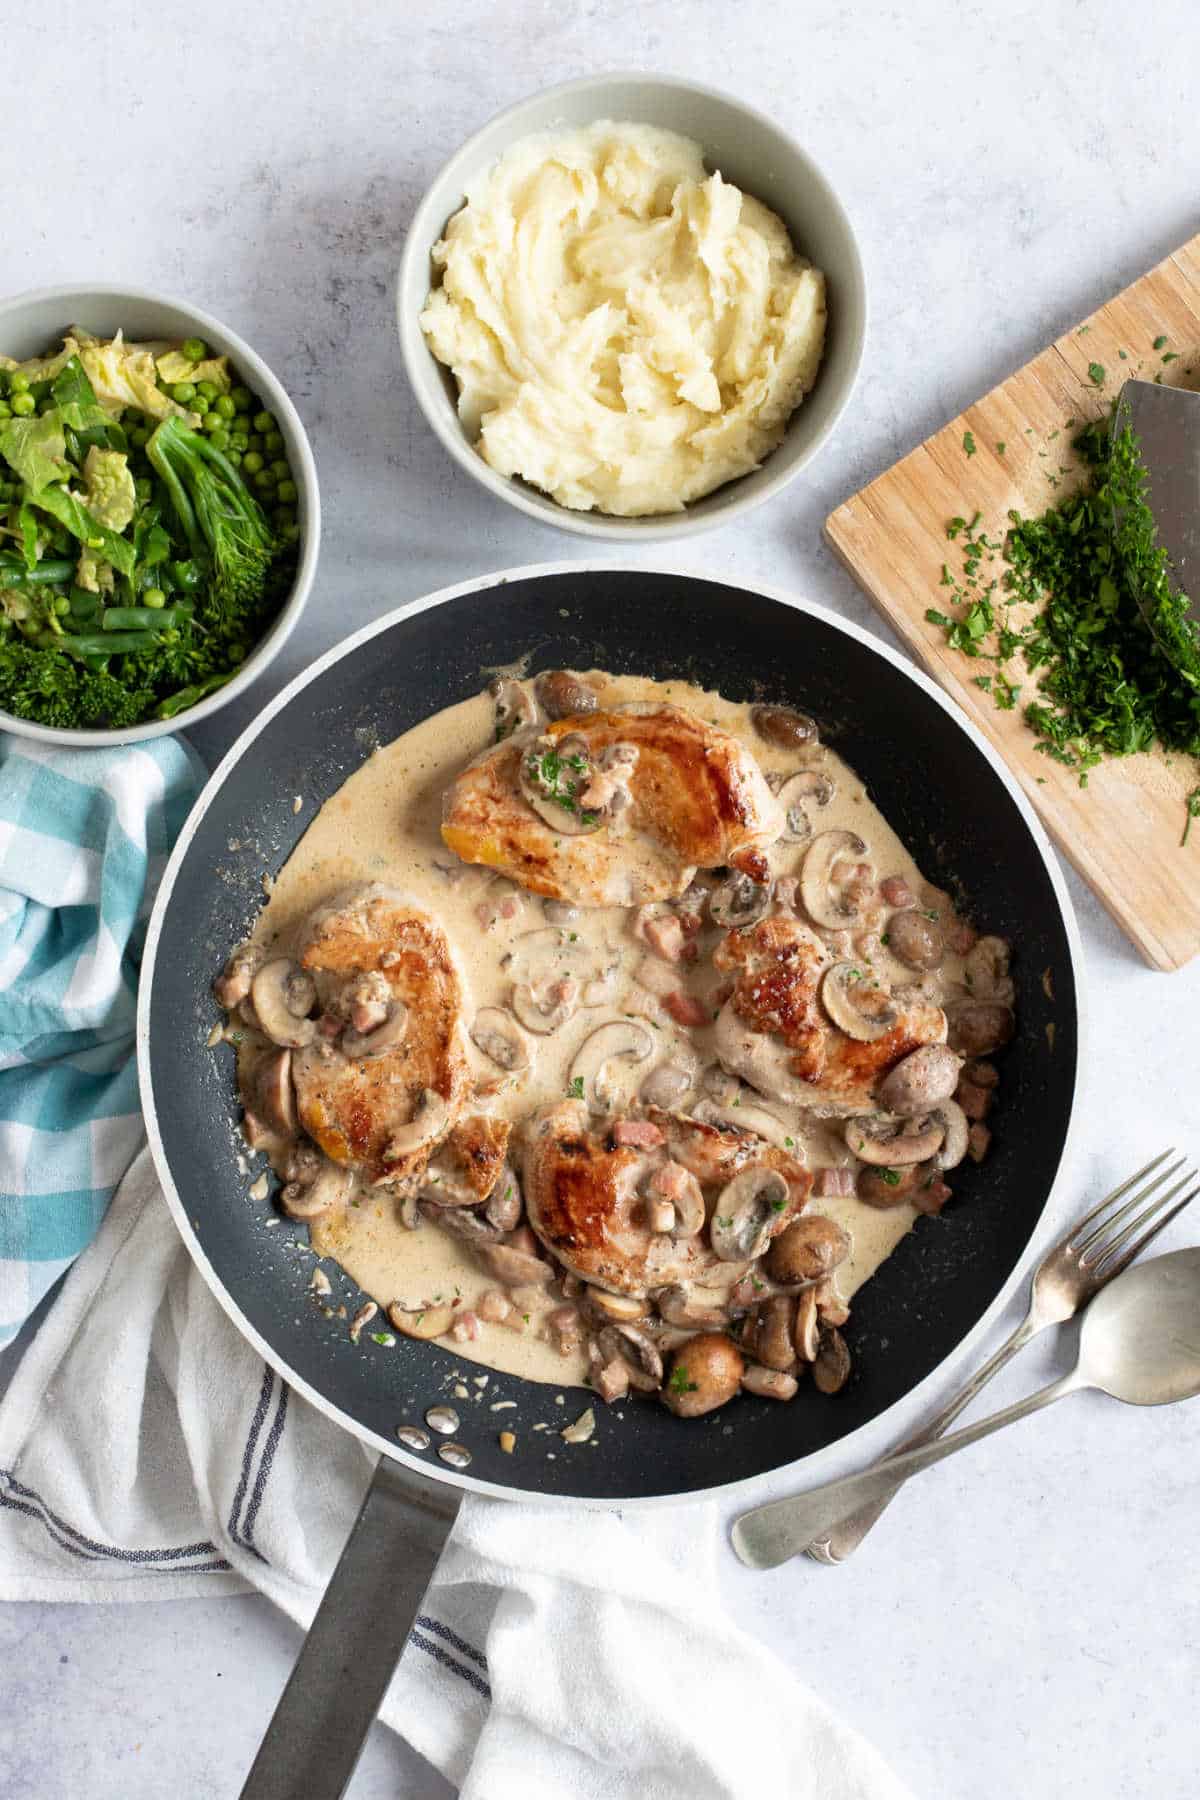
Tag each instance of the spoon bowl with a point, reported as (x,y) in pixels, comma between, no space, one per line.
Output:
(1141,1335)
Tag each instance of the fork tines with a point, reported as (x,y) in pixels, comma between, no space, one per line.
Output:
(1098,1248)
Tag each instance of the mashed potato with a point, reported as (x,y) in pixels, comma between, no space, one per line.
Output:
(627,332)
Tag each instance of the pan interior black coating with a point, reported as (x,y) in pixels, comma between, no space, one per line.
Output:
(932,784)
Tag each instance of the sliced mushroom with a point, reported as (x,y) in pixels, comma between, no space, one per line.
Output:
(826,901)
(831,1370)
(514,706)
(738,901)
(705,1373)
(768,1334)
(326,1192)
(769,1384)
(920,1081)
(743,1115)
(274,1091)
(495,1031)
(665,1086)
(985,970)
(503,1207)
(282,995)
(637,1350)
(421,1322)
(808,788)
(624,1308)
(807,1251)
(954,1145)
(360,1046)
(589,1076)
(564,695)
(233,983)
(718,1082)
(882,1142)
(857,1005)
(685,1306)
(543,1020)
(427,1124)
(469,1223)
(784,726)
(515,1267)
(747,1209)
(806,1333)
(660,1215)
(915,939)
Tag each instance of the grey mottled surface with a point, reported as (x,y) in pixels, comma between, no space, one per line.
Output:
(1027,1619)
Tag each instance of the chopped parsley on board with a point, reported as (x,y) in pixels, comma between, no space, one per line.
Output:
(1063,589)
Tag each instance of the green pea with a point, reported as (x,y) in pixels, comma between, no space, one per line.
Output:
(199,405)
(195,349)
(287,492)
(280,470)
(5,410)
(154,597)
(22,405)
(257,442)
(264,480)
(183,393)
(274,441)
(62,605)
(224,405)
(239,441)
(171,637)
(242,398)
(209,389)
(213,420)
(264,422)
(235,457)
(18,382)
(218,436)
(139,438)
(252,462)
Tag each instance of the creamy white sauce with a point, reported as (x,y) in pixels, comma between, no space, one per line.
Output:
(383,826)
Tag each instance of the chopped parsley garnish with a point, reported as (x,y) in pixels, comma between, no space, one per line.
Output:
(383,1337)
(1066,596)
(1096,374)
(679,1383)
(891,1176)
(1001,446)
(789,1143)
(1160,343)
(574,1092)
(969,442)
(1171,356)
(1193,812)
(559,778)
(778,1205)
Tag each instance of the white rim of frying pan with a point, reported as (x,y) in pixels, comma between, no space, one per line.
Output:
(528,572)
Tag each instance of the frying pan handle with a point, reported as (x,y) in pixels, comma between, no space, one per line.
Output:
(316,1737)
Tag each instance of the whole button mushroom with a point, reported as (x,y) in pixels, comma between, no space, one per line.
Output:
(916,940)
(807,1251)
(705,1373)
(784,727)
(563,695)
(980,1027)
(920,1081)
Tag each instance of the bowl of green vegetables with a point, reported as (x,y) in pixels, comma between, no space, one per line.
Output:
(159,515)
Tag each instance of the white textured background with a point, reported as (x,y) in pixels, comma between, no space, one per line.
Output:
(1026,1621)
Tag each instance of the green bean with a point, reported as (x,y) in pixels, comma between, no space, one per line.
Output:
(103,643)
(140,618)
(14,574)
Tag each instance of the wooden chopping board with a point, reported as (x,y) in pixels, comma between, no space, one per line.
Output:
(1122,831)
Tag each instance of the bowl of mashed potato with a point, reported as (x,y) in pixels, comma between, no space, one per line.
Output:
(631,307)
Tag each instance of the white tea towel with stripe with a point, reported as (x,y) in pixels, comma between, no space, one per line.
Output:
(84,836)
(145,1452)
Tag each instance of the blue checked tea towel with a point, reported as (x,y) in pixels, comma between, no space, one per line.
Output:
(84,837)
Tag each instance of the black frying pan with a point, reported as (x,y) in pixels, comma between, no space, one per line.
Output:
(936,781)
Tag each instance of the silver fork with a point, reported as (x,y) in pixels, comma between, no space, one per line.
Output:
(1079,1265)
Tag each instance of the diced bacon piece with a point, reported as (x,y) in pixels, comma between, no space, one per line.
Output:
(465,1328)
(983,1074)
(786,889)
(829,1184)
(673,1181)
(638,1134)
(979,1138)
(685,1010)
(328,1025)
(975,1101)
(566,1328)
(896,891)
(932,1197)
(664,934)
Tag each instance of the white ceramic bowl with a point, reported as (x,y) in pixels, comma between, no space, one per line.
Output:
(751,151)
(31,324)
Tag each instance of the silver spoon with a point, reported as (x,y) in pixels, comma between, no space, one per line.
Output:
(1140,1343)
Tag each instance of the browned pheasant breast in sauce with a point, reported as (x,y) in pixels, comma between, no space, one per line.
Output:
(602,1030)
